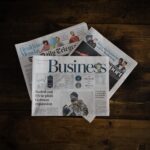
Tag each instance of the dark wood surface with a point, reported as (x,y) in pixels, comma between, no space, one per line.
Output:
(124,22)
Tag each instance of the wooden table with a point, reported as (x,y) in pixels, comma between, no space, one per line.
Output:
(124,22)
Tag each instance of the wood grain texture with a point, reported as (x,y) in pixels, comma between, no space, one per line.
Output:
(73,133)
(73,11)
(124,22)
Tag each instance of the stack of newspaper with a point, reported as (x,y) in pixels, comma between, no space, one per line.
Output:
(73,72)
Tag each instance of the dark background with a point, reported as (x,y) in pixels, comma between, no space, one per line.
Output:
(124,22)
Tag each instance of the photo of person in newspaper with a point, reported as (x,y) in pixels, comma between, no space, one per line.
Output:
(123,69)
(122,65)
(46,46)
(58,42)
(91,41)
(84,50)
(73,38)
(76,108)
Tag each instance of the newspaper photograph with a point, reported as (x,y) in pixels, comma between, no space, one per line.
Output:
(60,43)
(70,86)
(121,65)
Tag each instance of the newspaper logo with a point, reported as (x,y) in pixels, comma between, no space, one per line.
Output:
(55,66)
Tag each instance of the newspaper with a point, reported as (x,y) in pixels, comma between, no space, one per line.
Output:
(58,43)
(121,65)
(70,86)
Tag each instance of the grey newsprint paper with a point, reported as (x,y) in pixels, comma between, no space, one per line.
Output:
(70,86)
(121,65)
(55,44)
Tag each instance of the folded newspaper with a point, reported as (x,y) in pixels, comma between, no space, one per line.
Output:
(70,86)
(58,43)
(121,65)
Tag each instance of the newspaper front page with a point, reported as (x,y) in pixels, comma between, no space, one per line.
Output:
(121,65)
(70,86)
(55,44)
